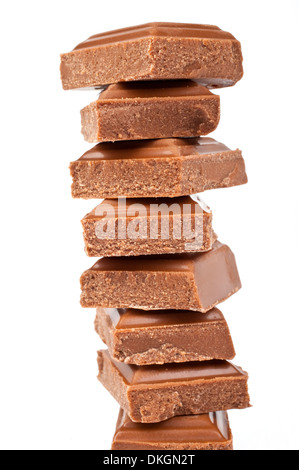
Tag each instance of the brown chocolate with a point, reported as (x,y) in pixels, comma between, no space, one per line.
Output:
(191,281)
(127,227)
(150,394)
(154,51)
(164,336)
(210,431)
(151,110)
(156,168)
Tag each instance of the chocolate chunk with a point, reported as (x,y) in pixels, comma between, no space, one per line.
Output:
(156,168)
(210,431)
(191,281)
(164,336)
(150,394)
(127,227)
(151,110)
(155,51)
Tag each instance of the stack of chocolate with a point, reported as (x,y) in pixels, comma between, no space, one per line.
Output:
(162,269)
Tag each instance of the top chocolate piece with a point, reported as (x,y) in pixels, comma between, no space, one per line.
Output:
(155,51)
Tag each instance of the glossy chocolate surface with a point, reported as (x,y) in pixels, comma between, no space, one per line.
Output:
(157,148)
(162,263)
(154,89)
(211,427)
(136,318)
(172,373)
(181,30)
(151,206)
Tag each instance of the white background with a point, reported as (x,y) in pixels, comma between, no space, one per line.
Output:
(50,398)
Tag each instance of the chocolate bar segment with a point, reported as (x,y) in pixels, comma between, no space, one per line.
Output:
(154,51)
(151,110)
(210,431)
(164,336)
(191,281)
(156,168)
(150,394)
(134,227)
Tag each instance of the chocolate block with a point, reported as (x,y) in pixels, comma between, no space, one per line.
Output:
(150,394)
(164,336)
(127,227)
(210,431)
(151,110)
(154,51)
(156,168)
(191,281)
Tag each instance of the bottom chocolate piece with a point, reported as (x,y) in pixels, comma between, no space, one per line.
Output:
(209,431)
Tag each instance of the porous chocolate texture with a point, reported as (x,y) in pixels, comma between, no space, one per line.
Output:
(155,51)
(135,227)
(156,168)
(150,394)
(164,336)
(197,281)
(210,431)
(151,110)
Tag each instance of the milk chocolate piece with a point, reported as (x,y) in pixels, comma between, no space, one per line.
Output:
(155,51)
(151,110)
(156,168)
(181,282)
(150,394)
(164,336)
(210,431)
(135,227)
